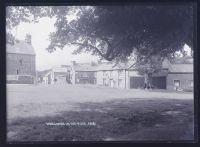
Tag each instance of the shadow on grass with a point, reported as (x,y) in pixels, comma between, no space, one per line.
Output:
(128,119)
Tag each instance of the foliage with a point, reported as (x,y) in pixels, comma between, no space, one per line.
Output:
(28,14)
(149,65)
(114,32)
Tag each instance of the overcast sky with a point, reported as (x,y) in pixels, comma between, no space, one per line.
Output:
(44,59)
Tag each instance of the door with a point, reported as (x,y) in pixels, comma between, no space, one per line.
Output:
(159,82)
(136,82)
(61,79)
(49,79)
(120,83)
(111,83)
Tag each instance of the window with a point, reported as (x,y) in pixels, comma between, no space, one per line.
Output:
(104,73)
(111,73)
(177,83)
(120,83)
(95,75)
(20,61)
(77,80)
(191,83)
(120,73)
(84,75)
(104,82)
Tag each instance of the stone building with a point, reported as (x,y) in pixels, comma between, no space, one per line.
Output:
(119,76)
(20,62)
(55,75)
(173,76)
(106,74)
(83,73)
(180,76)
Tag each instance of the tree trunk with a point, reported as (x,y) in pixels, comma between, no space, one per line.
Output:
(146,80)
(150,80)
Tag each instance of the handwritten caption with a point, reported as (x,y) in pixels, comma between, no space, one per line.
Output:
(71,123)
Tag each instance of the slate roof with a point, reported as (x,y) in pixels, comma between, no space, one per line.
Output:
(84,67)
(43,73)
(172,68)
(100,67)
(20,47)
(183,60)
(60,69)
(181,68)
(112,66)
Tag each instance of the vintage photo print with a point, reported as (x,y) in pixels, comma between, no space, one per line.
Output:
(100,73)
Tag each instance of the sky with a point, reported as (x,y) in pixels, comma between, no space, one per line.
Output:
(44,59)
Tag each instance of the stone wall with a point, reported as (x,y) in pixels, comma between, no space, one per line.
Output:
(21,80)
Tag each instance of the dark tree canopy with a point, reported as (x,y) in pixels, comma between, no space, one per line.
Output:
(118,30)
(113,32)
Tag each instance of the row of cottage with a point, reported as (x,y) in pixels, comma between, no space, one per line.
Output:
(21,69)
(179,74)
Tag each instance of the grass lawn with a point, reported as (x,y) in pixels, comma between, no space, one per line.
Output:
(90,113)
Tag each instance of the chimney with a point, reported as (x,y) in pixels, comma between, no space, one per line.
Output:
(165,63)
(64,66)
(28,38)
(93,63)
(99,61)
(73,62)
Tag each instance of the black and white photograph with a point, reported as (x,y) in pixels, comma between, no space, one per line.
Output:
(103,73)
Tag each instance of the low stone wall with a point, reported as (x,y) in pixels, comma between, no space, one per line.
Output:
(21,80)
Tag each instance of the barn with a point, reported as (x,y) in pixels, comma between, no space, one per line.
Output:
(180,76)
(20,62)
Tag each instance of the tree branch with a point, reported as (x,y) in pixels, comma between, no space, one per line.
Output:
(95,48)
(110,47)
(137,61)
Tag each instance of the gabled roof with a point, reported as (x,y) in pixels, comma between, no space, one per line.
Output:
(60,69)
(43,73)
(21,47)
(106,66)
(181,68)
(183,60)
(112,66)
(84,67)
(100,66)
(172,68)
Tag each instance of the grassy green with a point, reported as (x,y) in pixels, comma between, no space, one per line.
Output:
(116,120)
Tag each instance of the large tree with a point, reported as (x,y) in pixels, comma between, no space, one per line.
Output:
(114,32)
